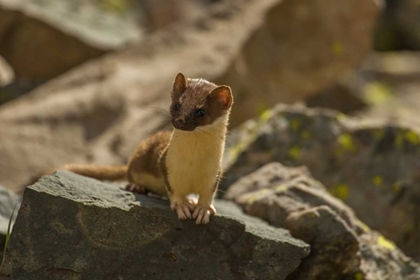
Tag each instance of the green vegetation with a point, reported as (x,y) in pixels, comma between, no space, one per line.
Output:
(6,243)
(340,191)
(378,93)
(116,6)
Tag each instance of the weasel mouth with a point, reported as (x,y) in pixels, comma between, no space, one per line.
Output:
(182,126)
(186,129)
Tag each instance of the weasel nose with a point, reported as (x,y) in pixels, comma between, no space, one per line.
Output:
(180,124)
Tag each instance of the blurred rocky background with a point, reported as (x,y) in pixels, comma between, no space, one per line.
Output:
(84,81)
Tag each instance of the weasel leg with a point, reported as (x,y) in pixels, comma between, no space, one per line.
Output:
(182,207)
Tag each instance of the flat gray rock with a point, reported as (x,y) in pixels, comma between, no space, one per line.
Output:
(72,227)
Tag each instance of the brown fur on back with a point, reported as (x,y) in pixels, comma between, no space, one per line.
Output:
(148,159)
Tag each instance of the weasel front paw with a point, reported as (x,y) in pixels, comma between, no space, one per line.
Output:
(183,210)
(202,214)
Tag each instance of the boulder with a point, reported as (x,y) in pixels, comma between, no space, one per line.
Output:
(6,77)
(291,189)
(374,167)
(6,74)
(81,31)
(384,87)
(100,111)
(342,246)
(38,38)
(343,95)
(72,227)
(17,88)
(42,39)
(399,26)
(285,61)
(389,83)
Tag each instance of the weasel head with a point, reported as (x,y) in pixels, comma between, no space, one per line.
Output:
(197,102)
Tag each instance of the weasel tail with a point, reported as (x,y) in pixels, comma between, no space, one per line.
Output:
(110,173)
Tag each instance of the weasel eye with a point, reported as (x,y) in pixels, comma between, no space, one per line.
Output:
(176,106)
(200,113)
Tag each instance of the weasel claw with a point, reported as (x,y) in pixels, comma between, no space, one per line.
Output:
(136,188)
(202,214)
(182,210)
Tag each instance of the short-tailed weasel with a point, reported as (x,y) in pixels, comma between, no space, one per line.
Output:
(186,161)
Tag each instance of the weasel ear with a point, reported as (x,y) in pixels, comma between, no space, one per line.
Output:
(222,95)
(180,84)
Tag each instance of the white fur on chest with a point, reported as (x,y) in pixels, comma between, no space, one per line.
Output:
(194,158)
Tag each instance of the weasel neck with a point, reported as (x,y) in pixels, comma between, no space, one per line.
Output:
(204,146)
(212,134)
